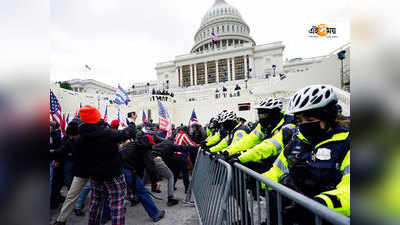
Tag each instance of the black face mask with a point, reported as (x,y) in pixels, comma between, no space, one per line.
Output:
(229,125)
(269,120)
(313,132)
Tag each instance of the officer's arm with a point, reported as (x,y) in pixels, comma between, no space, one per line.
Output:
(221,145)
(279,169)
(239,135)
(254,138)
(339,199)
(265,149)
(213,139)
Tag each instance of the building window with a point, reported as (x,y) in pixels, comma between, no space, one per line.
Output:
(223,28)
(227,28)
(217,29)
(233,28)
(244,107)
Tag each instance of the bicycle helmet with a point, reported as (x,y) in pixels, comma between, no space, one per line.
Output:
(270,103)
(225,116)
(311,97)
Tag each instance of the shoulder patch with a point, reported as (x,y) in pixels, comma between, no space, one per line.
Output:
(239,134)
(323,154)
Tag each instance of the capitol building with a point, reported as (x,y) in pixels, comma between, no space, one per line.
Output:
(227,70)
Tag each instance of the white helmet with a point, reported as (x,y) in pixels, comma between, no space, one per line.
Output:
(270,103)
(227,115)
(218,117)
(311,97)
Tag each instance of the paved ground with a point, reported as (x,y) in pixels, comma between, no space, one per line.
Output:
(180,214)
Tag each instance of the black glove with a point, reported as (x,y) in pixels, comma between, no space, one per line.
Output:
(224,155)
(234,159)
(203,143)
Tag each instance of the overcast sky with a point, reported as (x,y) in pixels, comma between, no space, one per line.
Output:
(122,40)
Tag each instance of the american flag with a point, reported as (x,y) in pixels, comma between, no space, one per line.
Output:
(144,118)
(214,36)
(105,114)
(88,67)
(56,112)
(165,121)
(121,96)
(193,118)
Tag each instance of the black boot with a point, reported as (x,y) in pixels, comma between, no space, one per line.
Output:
(172,201)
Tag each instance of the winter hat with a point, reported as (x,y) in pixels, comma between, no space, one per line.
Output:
(89,114)
(115,124)
(72,129)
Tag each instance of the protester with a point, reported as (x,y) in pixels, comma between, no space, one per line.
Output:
(98,147)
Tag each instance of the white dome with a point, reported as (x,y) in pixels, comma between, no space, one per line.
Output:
(220,9)
(227,24)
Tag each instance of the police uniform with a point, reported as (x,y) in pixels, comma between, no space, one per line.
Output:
(321,170)
(232,137)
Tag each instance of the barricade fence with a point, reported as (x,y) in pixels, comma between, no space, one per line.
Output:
(223,195)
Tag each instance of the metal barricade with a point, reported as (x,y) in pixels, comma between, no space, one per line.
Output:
(209,188)
(222,196)
(246,207)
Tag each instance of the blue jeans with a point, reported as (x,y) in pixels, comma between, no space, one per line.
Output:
(145,199)
(128,177)
(68,173)
(84,193)
(106,214)
(50,179)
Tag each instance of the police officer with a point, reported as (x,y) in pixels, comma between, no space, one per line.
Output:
(218,135)
(235,131)
(266,141)
(316,161)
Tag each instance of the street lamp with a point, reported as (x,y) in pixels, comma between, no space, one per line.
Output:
(341,56)
(274,68)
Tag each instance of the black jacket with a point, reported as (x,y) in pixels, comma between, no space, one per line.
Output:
(137,157)
(167,148)
(97,149)
(130,130)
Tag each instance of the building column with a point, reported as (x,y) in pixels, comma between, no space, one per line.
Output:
(251,64)
(233,68)
(191,75)
(195,74)
(229,69)
(245,67)
(205,73)
(216,72)
(180,76)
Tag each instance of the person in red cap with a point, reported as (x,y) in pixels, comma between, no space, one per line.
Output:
(115,124)
(97,146)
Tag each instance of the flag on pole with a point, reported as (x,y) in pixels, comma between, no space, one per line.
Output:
(214,36)
(77,112)
(105,114)
(88,67)
(193,118)
(165,121)
(121,96)
(118,114)
(127,122)
(144,118)
(67,120)
(56,112)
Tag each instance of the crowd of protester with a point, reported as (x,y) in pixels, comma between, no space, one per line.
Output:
(306,149)
(114,164)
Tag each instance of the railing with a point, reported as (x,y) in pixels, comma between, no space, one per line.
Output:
(222,196)
(210,187)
